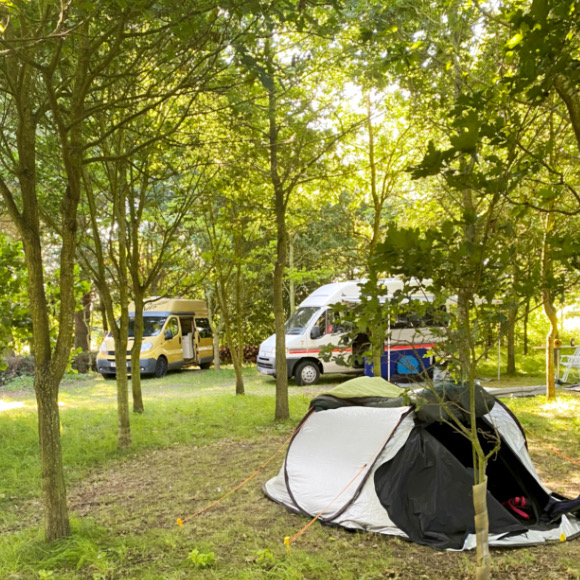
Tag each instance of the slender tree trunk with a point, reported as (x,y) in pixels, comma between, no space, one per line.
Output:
(138,406)
(568,92)
(291,283)
(215,331)
(511,328)
(124,426)
(373,169)
(52,473)
(280,199)
(240,390)
(82,318)
(467,357)
(526,319)
(549,308)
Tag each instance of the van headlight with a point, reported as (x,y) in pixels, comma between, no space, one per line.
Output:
(146,346)
(103,348)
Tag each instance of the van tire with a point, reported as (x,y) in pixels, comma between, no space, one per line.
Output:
(161,367)
(204,365)
(306,373)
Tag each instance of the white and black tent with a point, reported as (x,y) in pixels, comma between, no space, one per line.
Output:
(363,459)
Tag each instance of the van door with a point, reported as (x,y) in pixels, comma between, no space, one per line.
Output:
(330,334)
(204,340)
(172,346)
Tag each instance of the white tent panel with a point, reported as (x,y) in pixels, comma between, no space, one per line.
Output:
(366,512)
(567,529)
(512,434)
(332,453)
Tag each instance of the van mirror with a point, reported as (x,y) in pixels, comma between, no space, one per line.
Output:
(168,335)
(315,332)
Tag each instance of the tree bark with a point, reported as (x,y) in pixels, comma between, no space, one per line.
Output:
(511,340)
(282,405)
(569,94)
(82,318)
(215,331)
(53,484)
(549,307)
(526,319)
(137,392)
(240,390)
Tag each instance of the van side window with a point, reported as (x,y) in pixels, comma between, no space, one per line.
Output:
(321,323)
(173,325)
(202,324)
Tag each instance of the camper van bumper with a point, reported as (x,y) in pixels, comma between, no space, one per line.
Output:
(106,367)
(267,365)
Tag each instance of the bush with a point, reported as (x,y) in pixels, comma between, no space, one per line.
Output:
(17,366)
(84,362)
(250,354)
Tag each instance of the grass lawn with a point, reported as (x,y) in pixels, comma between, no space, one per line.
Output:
(195,442)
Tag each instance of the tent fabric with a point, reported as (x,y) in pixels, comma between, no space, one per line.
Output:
(456,398)
(363,392)
(432,499)
(366,387)
(380,469)
(315,480)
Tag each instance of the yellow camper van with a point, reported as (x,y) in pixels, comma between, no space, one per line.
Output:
(177,333)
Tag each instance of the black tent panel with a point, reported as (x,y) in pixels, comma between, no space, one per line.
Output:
(427,493)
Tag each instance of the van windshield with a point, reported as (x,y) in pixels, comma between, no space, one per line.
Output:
(153,325)
(298,322)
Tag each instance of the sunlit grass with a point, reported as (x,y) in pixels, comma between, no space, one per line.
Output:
(197,440)
(7,406)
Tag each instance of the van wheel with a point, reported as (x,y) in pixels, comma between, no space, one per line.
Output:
(204,365)
(307,373)
(161,367)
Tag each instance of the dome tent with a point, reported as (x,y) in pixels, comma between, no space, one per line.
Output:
(365,459)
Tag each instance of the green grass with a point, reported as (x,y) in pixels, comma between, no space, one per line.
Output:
(195,441)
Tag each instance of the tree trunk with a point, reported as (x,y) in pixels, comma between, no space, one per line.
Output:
(526,319)
(511,339)
(280,199)
(569,94)
(291,283)
(552,314)
(215,331)
(373,181)
(138,406)
(124,427)
(468,358)
(82,326)
(549,308)
(56,518)
(240,390)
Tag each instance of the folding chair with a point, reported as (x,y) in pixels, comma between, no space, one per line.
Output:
(570,362)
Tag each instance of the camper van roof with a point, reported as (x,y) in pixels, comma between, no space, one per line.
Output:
(173,306)
(350,292)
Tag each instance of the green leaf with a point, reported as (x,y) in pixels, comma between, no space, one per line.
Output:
(514,40)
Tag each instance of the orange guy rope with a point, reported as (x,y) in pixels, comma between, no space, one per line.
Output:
(181,521)
(551,448)
(288,540)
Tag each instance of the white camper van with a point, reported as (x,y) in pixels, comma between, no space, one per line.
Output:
(313,327)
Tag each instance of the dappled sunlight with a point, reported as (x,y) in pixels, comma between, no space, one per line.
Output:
(6,406)
(559,407)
